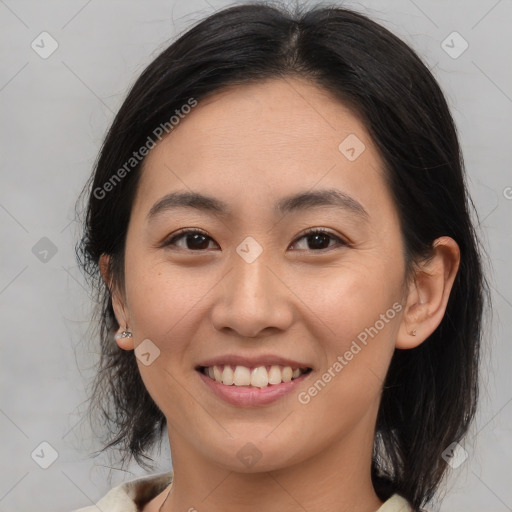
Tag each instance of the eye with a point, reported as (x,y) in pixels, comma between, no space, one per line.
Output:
(198,240)
(319,239)
(194,240)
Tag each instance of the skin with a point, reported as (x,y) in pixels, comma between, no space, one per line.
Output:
(251,146)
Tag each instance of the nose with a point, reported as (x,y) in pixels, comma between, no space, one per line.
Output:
(252,300)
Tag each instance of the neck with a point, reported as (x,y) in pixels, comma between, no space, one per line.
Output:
(336,479)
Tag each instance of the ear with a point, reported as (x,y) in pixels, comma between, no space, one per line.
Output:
(118,302)
(428,293)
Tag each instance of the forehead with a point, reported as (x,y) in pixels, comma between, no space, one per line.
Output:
(262,120)
(264,139)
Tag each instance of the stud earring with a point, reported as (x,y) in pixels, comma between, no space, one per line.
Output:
(413,333)
(124,334)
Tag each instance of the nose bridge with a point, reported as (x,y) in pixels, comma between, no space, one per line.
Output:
(252,298)
(252,280)
(252,285)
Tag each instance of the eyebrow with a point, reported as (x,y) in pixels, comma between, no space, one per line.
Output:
(296,202)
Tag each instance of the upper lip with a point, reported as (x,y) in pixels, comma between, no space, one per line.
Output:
(252,361)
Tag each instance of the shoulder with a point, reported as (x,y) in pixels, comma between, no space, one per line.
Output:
(395,504)
(129,496)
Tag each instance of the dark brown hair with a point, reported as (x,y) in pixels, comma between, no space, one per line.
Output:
(430,394)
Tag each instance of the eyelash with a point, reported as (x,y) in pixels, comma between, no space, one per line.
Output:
(311,231)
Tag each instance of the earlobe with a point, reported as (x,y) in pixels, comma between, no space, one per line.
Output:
(428,294)
(123,337)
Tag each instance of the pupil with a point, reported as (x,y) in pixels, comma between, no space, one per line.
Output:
(196,244)
(316,238)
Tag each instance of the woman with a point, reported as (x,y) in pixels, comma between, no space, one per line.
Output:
(291,282)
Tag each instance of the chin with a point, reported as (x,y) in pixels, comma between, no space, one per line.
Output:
(247,454)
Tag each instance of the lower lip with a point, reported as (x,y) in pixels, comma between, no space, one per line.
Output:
(251,396)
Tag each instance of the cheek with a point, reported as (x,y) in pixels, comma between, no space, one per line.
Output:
(347,300)
(164,307)
(163,303)
(358,312)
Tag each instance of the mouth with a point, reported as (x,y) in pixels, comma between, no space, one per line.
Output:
(262,376)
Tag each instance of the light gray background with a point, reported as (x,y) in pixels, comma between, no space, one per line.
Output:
(54,114)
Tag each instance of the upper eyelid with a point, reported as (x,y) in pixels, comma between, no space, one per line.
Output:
(308,231)
(340,239)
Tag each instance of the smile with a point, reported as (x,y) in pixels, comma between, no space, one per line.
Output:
(252,386)
(257,377)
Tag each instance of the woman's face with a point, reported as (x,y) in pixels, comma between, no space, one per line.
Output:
(254,289)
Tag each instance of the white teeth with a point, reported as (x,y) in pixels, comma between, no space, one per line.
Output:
(258,377)
(274,375)
(287,374)
(242,376)
(227,375)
